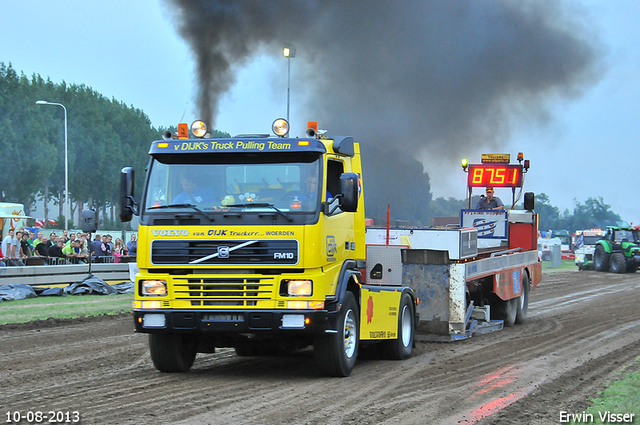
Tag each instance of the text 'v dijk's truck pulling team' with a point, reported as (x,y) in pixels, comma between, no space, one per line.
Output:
(259,243)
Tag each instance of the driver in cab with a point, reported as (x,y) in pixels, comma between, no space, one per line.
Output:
(193,193)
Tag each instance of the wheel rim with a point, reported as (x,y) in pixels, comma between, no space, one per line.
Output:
(522,301)
(350,334)
(406,326)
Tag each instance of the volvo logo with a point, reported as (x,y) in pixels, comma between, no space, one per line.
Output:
(223,252)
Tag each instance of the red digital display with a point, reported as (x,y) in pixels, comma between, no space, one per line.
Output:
(496,175)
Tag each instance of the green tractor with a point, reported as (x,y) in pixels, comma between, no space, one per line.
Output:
(618,251)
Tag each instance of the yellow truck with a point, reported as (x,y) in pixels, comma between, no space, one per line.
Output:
(257,242)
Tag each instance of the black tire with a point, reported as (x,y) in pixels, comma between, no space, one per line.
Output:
(172,353)
(632,267)
(618,263)
(601,259)
(401,347)
(523,300)
(335,353)
(506,310)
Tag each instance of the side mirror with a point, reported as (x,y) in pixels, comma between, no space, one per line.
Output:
(89,221)
(127,202)
(349,189)
(529,201)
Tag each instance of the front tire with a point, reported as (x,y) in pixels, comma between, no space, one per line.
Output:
(523,300)
(172,353)
(618,263)
(401,347)
(601,259)
(336,353)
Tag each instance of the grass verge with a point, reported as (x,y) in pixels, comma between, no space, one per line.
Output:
(565,266)
(621,397)
(71,306)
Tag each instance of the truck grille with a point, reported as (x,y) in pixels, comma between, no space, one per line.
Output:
(229,252)
(223,292)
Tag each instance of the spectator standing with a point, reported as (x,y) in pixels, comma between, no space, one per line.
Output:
(37,241)
(56,250)
(106,246)
(84,250)
(24,245)
(17,248)
(32,237)
(110,243)
(132,246)
(72,251)
(53,239)
(8,250)
(99,248)
(119,250)
(6,243)
(42,249)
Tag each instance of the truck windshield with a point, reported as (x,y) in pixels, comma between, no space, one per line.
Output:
(225,183)
(591,240)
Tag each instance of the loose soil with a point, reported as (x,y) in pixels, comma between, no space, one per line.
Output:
(582,331)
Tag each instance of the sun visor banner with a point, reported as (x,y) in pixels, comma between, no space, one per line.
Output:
(236,145)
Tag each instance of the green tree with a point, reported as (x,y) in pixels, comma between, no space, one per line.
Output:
(442,207)
(594,213)
(548,215)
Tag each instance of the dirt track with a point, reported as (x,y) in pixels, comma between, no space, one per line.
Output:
(582,330)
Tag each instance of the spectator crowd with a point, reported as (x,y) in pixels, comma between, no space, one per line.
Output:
(21,246)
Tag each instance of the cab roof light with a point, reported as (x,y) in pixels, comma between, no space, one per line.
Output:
(280,127)
(183,131)
(198,129)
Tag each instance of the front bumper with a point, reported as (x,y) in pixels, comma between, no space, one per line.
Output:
(229,322)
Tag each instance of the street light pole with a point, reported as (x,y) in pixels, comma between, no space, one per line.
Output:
(66,163)
(289,52)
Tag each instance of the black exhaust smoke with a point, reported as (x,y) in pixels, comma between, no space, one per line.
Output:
(433,79)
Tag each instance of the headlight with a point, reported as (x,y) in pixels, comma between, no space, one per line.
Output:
(154,287)
(299,288)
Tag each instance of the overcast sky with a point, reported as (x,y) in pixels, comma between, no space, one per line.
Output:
(132,51)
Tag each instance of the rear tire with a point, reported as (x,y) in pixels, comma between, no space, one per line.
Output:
(172,353)
(618,263)
(401,347)
(601,259)
(523,300)
(335,353)
(506,310)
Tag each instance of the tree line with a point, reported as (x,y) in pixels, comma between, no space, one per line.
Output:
(103,135)
(594,213)
(106,134)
